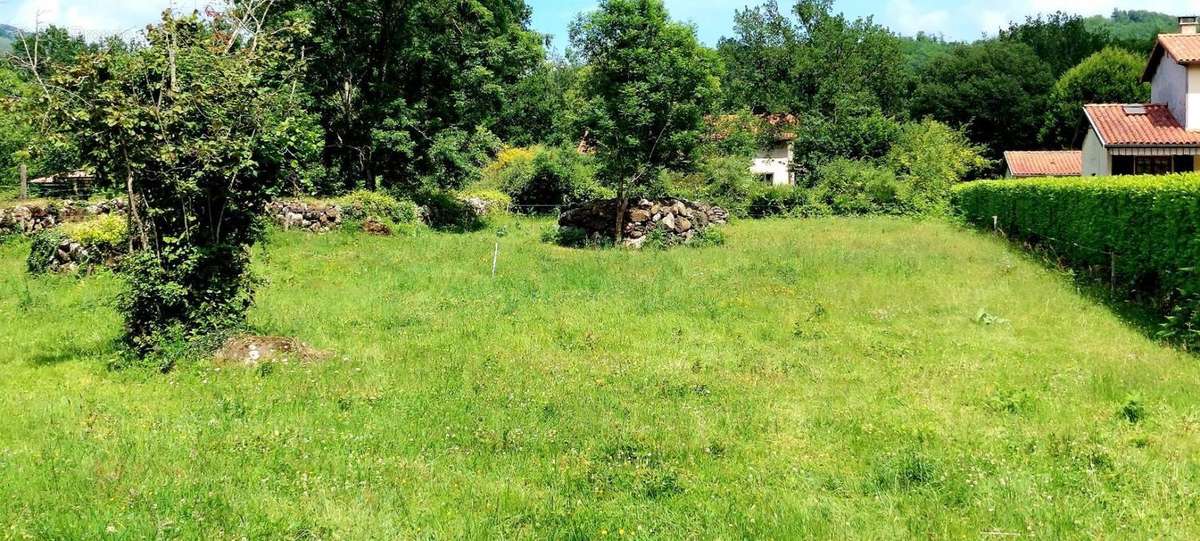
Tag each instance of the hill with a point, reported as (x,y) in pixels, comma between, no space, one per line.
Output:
(8,34)
(1133,29)
(869,378)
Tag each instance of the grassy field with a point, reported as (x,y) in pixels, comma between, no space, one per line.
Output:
(835,378)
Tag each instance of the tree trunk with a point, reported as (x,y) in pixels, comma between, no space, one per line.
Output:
(24,182)
(619,232)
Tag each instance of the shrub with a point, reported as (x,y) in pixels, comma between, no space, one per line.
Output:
(1139,232)
(42,250)
(105,232)
(469,210)
(786,201)
(722,180)
(539,179)
(363,204)
(859,187)
(929,158)
(457,158)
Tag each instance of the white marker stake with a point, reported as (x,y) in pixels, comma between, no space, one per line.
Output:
(495,256)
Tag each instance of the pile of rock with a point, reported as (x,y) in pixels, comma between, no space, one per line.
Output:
(677,218)
(314,217)
(31,218)
(69,256)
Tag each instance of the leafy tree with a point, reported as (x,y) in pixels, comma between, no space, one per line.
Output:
(929,158)
(202,126)
(996,90)
(853,130)
(1059,39)
(649,84)
(803,61)
(540,108)
(391,77)
(1109,76)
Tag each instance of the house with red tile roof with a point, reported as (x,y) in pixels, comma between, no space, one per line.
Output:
(1152,138)
(1044,163)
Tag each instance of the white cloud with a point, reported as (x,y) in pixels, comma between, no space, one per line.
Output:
(905,17)
(971,18)
(92,18)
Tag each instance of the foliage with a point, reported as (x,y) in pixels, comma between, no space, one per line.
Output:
(800,62)
(402,86)
(1133,30)
(42,249)
(995,90)
(787,201)
(541,179)
(542,107)
(108,231)
(1109,76)
(203,127)
(363,204)
(855,130)
(468,210)
(929,158)
(1140,231)
(851,187)
(720,180)
(456,158)
(1059,39)
(649,84)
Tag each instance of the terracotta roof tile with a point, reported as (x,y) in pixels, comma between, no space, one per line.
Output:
(1051,163)
(1138,125)
(1184,48)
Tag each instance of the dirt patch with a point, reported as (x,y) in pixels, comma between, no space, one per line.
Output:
(256,350)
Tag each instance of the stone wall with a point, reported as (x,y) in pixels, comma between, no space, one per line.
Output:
(314,217)
(34,217)
(678,218)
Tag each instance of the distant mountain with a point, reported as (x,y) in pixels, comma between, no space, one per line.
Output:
(1133,29)
(8,34)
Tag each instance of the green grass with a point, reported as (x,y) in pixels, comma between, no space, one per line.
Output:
(837,378)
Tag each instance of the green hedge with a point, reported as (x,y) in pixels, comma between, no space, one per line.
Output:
(1144,231)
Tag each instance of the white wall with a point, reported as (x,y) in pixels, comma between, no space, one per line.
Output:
(776,161)
(1096,161)
(1193,99)
(1170,86)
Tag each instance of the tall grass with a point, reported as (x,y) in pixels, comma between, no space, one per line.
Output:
(828,378)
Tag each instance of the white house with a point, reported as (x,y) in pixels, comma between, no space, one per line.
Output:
(774,165)
(1158,137)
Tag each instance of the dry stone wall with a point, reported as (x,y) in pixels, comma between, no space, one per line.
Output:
(678,218)
(30,218)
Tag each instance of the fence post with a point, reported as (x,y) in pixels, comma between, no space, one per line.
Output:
(24,182)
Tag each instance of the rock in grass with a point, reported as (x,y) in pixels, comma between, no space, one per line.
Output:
(255,350)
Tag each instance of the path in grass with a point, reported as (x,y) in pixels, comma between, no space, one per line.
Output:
(825,378)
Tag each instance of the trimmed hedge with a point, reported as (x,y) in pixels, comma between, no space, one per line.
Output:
(1142,231)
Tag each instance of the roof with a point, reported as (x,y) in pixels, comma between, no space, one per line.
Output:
(1183,48)
(1138,125)
(780,125)
(1048,163)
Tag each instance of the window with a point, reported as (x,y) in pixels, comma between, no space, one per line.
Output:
(1151,165)
(768,178)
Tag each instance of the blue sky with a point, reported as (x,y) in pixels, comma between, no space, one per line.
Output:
(956,19)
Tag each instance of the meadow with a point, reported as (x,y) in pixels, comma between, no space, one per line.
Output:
(830,378)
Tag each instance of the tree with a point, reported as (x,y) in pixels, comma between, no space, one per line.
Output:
(1059,39)
(650,84)
(1109,76)
(201,126)
(996,90)
(805,61)
(390,77)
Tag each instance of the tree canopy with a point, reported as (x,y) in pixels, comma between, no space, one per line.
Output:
(1109,76)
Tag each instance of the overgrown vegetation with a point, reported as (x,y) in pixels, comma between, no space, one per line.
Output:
(1137,234)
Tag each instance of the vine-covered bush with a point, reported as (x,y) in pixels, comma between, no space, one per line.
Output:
(107,231)
(74,245)
(1141,232)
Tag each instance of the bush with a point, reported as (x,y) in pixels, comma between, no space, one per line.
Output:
(540,179)
(722,180)
(42,250)
(786,201)
(859,187)
(470,210)
(457,158)
(104,232)
(1139,231)
(363,204)
(929,158)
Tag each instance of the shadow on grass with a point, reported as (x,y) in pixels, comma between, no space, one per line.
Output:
(72,351)
(1136,312)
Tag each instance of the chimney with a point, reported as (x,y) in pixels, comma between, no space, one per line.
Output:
(1189,25)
